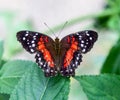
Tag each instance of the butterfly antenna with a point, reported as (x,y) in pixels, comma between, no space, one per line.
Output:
(62,28)
(50,29)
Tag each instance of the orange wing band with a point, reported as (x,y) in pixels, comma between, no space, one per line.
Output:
(46,53)
(69,54)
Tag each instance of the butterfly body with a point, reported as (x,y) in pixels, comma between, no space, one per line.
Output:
(58,56)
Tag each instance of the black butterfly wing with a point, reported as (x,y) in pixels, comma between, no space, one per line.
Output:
(86,40)
(29,40)
(40,44)
(74,45)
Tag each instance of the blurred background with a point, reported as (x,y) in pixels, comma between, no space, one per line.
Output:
(16,15)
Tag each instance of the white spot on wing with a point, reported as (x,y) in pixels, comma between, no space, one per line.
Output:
(55,71)
(77,58)
(41,63)
(44,65)
(90,38)
(71,70)
(33,45)
(30,46)
(39,59)
(67,71)
(24,38)
(78,54)
(88,34)
(73,65)
(80,36)
(34,36)
(82,45)
(33,42)
(26,34)
(31,50)
(76,63)
(77,33)
(82,41)
(47,70)
(36,33)
(51,70)
(38,55)
(83,50)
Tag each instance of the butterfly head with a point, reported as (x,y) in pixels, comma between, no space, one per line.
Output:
(57,40)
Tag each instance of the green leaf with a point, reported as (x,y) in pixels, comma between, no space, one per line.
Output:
(113,4)
(10,74)
(2,63)
(114,23)
(101,23)
(4,96)
(63,93)
(112,62)
(35,86)
(1,49)
(112,20)
(101,87)
(1,53)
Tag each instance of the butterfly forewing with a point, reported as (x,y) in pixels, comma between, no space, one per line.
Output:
(76,44)
(40,44)
(86,40)
(28,40)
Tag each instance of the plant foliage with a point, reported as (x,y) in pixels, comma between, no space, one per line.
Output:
(24,80)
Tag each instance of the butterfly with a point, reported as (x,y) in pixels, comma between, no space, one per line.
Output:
(58,56)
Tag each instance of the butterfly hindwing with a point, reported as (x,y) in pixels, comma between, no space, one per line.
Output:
(39,43)
(76,44)
(45,66)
